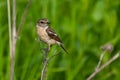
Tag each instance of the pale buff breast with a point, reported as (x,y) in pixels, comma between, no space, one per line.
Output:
(41,31)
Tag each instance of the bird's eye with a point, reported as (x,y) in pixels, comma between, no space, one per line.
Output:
(41,22)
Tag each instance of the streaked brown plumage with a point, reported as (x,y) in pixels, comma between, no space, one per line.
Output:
(48,35)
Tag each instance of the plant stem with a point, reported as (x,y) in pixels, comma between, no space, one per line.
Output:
(104,66)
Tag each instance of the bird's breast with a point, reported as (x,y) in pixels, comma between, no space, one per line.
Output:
(44,36)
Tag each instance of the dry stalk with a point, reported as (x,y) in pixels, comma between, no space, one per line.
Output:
(103,66)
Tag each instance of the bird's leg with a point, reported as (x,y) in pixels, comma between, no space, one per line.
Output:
(46,50)
(48,47)
(45,53)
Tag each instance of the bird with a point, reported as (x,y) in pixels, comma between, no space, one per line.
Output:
(47,35)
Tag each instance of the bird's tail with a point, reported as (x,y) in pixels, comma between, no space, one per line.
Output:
(61,45)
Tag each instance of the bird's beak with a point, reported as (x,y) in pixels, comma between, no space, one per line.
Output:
(48,22)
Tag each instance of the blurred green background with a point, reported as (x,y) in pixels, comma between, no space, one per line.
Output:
(83,25)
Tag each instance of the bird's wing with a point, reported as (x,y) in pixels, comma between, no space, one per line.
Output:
(51,33)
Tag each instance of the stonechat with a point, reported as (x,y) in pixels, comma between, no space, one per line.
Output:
(47,34)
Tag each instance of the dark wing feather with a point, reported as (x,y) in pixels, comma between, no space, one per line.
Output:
(52,34)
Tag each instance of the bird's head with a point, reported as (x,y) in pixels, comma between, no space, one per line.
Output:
(43,22)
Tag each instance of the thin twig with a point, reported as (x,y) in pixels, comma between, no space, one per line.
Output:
(23,17)
(9,26)
(12,33)
(12,56)
(44,73)
(104,66)
(10,36)
(51,57)
(100,61)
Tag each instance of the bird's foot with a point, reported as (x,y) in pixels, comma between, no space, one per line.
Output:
(47,49)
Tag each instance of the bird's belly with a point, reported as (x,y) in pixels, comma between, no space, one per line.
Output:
(51,42)
(44,36)
(48,40)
